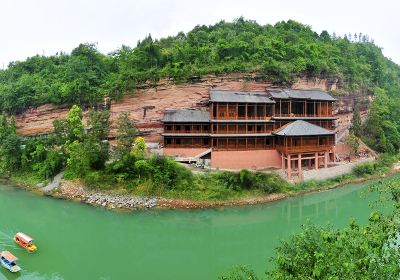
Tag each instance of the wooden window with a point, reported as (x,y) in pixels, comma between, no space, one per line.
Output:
(168,141)
(241,111)
(241,143)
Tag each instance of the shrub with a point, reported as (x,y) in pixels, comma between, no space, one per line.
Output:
(364,169)
(246,180)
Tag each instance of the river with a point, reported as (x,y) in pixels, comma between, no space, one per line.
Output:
(77,241)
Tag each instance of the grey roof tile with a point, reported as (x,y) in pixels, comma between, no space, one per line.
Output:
(186,116)
(312,94)
(302,128)
(239,96)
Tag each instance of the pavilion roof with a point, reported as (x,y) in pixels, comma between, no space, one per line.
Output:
(311,94)
(233,96)
(182,116)
(302,128)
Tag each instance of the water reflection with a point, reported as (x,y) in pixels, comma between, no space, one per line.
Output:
(194,244)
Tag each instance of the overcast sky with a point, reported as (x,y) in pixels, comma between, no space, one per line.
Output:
(29,27)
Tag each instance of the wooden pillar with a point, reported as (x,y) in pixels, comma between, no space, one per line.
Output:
(334,153)
(264,113)
(290,107)
(280,107)
(326,160)
(237,111)
(289,168)
(283,162)
(315,109)
(217,114)
(245,110)
(305,108)
(227,111)
(212,111)
(299,167)
(316,161)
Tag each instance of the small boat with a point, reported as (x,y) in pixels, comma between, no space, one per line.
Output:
(25,241)
(8,261)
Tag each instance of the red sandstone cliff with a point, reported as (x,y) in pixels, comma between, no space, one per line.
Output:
(147,105)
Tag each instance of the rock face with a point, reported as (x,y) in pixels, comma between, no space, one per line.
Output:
(73,190)
(147,105)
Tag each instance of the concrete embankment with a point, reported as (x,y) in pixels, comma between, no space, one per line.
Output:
(334,171)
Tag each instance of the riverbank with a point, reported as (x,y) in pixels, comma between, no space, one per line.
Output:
(113,199)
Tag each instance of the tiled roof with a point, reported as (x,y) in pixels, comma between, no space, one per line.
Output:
(312,94)
(239,96)
(186,116)
(302,128)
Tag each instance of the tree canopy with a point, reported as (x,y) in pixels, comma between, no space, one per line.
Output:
(278,53)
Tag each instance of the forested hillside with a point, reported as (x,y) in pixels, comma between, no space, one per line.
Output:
(278,53)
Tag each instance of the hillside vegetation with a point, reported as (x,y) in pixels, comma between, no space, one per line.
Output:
(279,53)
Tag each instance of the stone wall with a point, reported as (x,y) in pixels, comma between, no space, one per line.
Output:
(183,152)
(254,159)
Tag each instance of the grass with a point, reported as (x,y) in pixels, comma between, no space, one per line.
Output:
(215,185)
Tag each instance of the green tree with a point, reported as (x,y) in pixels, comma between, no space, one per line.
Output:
(354,143)
(75,129)
(99,125)
(126,134)
(139,149)
(356,121)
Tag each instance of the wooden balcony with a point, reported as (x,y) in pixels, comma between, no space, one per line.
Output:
(242,132)
(304,149)
(187,131)
(227,118)
(302,115)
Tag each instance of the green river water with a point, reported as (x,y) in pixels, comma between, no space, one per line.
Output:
(77,241)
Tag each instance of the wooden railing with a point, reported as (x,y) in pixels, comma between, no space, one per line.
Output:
(302,115)
(186,146)
(241,132)
(188,131)
(242,118)
(304,149)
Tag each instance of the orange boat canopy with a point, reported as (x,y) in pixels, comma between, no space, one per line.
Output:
(8,256)
(23,237)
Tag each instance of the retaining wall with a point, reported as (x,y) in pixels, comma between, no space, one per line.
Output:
(256,159)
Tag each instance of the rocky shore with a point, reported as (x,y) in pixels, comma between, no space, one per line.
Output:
(71,190)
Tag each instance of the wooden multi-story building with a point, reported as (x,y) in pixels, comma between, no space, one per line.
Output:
(281,128)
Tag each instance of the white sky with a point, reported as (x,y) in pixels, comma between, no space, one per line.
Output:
(29,27)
